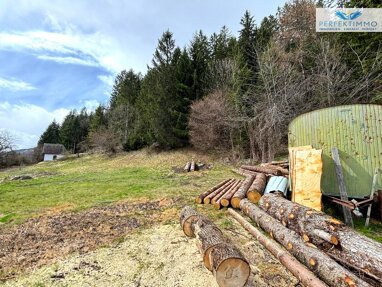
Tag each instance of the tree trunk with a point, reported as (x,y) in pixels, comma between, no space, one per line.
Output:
(208,198)
(208,236)
(316,260)
(353,249)
(228,195)
(229,266)
(187,167)
(225,200)
(268,169)
(222,192)
(303,274)
(188,216)
(256,190)
(201,196)
(219,254)
(192,167)
(241,193)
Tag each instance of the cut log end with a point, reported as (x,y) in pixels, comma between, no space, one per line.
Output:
(198,200)
(235,202)
(206,200)
(254,196)
(224,202)
(187,226)
(187,217)
(232,272)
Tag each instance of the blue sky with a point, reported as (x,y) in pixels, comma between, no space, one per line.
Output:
(57,55)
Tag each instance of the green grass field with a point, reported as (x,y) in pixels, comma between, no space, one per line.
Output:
(80,183)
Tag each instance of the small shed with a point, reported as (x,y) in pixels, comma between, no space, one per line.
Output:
(53,151)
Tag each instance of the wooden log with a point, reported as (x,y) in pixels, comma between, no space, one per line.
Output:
(323,266)
(192,167)
(208,198)
(304,275)
(188,216)
(229,266)
(256,190)
(226,198)
(222,192)
(242,192)
(219,254)
(200,197)
(243,172)
(187,167)
(269,169)
(373,190)
(208,235)
(342,187)
(228,194)
(354,249)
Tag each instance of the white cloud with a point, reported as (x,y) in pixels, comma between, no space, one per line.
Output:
(107,79)
(27,122)
(90,105)
(68,46)
(15,85)
(69,60)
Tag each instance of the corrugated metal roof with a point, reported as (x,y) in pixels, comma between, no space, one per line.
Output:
(356,130)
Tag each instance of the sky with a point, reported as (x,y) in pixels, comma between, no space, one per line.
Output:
(59,55)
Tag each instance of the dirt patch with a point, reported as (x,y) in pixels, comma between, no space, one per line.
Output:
(46,238)
(157,256)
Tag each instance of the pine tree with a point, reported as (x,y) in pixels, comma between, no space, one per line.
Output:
(51,134)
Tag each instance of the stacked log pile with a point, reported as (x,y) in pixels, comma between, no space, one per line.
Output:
(220,255)
(318,261)
(230,191)
(328,234)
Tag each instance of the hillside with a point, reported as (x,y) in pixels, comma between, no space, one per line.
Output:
(105,219)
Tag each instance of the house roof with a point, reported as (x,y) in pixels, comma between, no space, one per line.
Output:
(49,148)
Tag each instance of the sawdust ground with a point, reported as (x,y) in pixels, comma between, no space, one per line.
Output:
(157,256)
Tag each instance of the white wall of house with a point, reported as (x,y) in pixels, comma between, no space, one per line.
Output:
(50,157)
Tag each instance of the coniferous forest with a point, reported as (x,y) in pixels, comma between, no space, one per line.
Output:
(231,92)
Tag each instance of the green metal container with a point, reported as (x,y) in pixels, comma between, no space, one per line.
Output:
(356,130)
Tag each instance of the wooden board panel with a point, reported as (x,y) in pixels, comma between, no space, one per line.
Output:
(292,159)
(307,174)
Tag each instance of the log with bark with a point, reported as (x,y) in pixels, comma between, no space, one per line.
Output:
(199,199)
(220,255)
(224,191)
(226,198)
(187,167)
(256,190)
(228,195)
(329,234)
(317,261)
(242,192)
(188,216)
(192,166)
(269,169)
(208,198)
(304,275)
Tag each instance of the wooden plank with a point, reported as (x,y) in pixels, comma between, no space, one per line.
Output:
(373,189)
(292,159)
(307,174)
(341,185)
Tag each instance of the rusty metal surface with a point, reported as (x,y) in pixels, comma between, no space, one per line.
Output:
(356,130)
